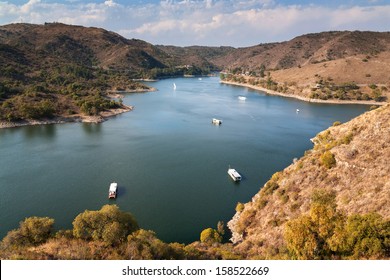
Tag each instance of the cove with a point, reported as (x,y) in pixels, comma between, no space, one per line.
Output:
(169,161)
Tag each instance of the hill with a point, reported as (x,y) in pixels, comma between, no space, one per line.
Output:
(330,65)
(57,72)
(349,161)
(309,49)
(63,72)
(92,47)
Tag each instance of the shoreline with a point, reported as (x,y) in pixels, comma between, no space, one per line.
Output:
(78,118)
(102,117)
(302,98)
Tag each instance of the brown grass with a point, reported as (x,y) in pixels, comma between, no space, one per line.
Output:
(361,179)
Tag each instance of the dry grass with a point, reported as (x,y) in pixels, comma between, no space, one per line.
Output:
(361,179)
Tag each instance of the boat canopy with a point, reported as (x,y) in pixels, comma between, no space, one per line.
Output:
(113,187)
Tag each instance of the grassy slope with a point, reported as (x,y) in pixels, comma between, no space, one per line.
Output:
(360,178)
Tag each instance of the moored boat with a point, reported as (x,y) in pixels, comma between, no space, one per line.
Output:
(242,98)
(113,190)
(216,121)
(234,174)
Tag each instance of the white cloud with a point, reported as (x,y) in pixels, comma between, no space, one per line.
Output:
(110,3)
(202,22)
(29,6)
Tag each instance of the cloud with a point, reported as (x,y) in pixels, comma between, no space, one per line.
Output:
(29,6)
(110,3)
(203,22)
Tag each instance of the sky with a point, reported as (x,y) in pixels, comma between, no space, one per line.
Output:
(236,23)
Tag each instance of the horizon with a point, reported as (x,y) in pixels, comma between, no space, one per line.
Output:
(171,45)
(210,23)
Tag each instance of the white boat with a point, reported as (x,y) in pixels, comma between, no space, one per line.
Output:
(242,98)
(174,86)
(113,190)
(297,110)
(216,121)
(234,174)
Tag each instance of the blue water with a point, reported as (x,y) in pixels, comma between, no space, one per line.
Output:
(169,160)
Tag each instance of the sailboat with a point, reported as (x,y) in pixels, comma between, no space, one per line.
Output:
(174,86)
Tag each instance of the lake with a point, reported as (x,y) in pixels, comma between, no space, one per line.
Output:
(169,161)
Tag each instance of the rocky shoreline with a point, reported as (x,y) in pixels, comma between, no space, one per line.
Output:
(103,116)
(329,101)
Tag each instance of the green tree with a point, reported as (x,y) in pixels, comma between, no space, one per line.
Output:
(308,236)
(108,224)
(210,236)
(363,236)
(301,238)
(240,207)
(32,231)
(328,159)
(326,233)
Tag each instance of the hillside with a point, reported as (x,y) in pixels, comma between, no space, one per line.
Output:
(329,65)
(349,160)
(309,49)
(64,71)
(93,47)
(207,57)
(57,72)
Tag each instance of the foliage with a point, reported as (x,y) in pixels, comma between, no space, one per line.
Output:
(143,245)
(272,184)
(363,236)
(108,224)
(307,236)
(31,232)
(221,228)
(328,159)
(59,89)
(240,207)
(327,234)
(210,236)
(336,123)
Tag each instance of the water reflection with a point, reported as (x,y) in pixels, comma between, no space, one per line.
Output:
(92,128)
(42,131)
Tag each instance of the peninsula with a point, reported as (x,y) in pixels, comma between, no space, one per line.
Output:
(55,73)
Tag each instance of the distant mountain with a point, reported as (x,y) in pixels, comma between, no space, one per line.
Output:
(60,43)
(309,49)
(201,56)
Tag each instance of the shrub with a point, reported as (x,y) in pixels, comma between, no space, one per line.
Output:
(336,123)
(372,86)
(210,236)
(108,224)
(240,207)
(368,235)
(328,159)
(272,184)
(327,234)
(32,231)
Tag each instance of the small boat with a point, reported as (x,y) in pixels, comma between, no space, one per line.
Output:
(199,79)
(297,110)
(174,86)
(216,121)
(242,98)
(234,174)
(113,190)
